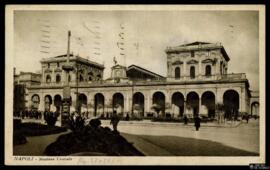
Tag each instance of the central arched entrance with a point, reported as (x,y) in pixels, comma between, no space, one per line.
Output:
(99,105)
(231,104)
(138,104)
(193,103)
(82,103)
(159,103)
(48,102)
(57,103)
(208,100)
(178,104)
(118,103)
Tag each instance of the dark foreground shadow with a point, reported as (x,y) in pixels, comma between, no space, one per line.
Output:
(181,146)
(92,142)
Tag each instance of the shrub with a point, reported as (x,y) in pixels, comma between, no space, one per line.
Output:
(37,129)
(17,123)
(92,140)
(95,123)
(51,118)
(18,138)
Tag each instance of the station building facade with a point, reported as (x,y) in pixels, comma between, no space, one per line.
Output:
(197,80)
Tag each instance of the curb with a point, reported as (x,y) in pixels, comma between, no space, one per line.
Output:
(123,123)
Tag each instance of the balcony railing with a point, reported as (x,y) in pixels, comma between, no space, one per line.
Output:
(238,76)
(233,76)
(189,78)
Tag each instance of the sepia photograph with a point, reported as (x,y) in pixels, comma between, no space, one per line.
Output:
(134,84)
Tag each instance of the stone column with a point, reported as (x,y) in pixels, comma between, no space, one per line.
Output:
(185,70)
(185,106)
(242,100)
(200,103)
(43,74)
(147,105)
(53,79)
(168,102)
(41,103)
(130,104)
(126,103)
(200,70)
(217,69)
(63,76)
(90,105)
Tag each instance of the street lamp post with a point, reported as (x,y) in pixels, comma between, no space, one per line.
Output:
(67,67)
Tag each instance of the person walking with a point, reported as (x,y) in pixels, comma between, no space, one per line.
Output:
(114,121)
(197,122)
(247,118)
(185,120)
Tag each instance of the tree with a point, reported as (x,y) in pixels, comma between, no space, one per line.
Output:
(51,118)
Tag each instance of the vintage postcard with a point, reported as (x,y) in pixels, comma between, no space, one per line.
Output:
(135,85)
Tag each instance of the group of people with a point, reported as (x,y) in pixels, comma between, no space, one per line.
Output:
(29,114)
(77,120)
(245,117)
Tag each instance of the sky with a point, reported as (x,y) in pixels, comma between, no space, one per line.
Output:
(94,35)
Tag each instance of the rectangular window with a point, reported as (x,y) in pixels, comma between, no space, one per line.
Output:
(57,64)
(192,53)
(48,65)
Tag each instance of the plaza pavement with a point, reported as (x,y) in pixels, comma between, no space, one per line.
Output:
(147,136)
(168,139)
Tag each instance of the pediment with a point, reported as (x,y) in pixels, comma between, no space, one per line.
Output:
(177,62)
(48,70)
(192,62)
(207,61)
(58,70)
(213,61)
(118,66)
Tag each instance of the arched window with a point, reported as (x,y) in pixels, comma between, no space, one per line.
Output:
(192,53)
(208,70)
(58,78)
(48,79)
(192,72)
(81,77)
(177,73)
(90,78)
(98,77)
(90,74)
(221,63)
